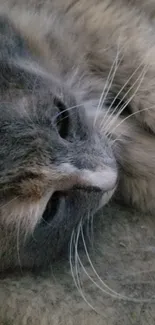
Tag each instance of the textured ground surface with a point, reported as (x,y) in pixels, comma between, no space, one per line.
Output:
(123,255)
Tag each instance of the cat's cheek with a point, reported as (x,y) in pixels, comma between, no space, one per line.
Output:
(24,214)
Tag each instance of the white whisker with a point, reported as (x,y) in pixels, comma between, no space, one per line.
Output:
(12,200)
(110,291)
(71,252)
(70,257)
(66,110)
(77,268)
(107,85)
(76,278)
(126,118)
(120,91)
(18,241)
(141,77)
(88,227)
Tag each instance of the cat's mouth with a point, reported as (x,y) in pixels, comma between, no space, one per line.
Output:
(101,182)
(54,203)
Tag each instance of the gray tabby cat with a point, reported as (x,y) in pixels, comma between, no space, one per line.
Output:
(77,120)
(67,74)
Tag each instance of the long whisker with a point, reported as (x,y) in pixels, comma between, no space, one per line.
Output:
(103,92)
(74,239)
(107,85)
(77,269)
(127,117)
(92,230)
(111,292)
(76,278)
(86,251)
(18,243)
(89,229)
(70,257)
(65,110)
(12,200)
(114,294)
(141,77)
(120,91)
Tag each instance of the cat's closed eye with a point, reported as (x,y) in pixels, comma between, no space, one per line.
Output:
(62,118)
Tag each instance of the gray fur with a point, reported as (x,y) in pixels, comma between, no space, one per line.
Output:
(55,55)
(30,141)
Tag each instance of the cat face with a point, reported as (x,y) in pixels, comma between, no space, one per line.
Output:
(56,168)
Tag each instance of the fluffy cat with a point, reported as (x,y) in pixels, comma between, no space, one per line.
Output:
(67,74)
(77,120)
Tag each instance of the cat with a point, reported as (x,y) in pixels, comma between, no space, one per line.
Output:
(55,167)
(68,73)
(77,128)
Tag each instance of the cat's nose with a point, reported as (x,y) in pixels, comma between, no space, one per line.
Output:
(102,179)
